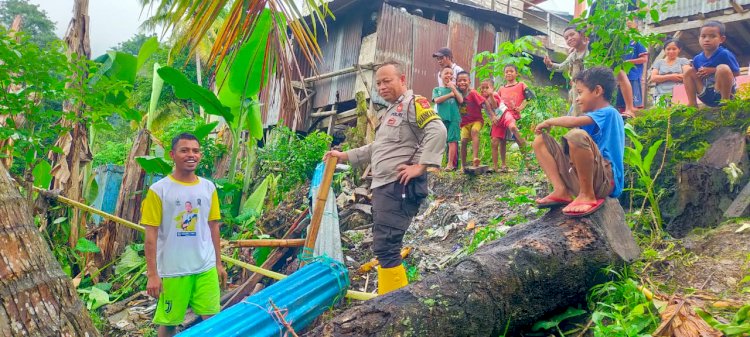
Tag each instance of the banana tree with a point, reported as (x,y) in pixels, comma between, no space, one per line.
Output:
(125,67)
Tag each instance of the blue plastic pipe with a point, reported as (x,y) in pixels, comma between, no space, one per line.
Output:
(301,297)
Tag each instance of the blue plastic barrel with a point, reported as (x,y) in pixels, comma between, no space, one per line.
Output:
(108,178)
(302,297)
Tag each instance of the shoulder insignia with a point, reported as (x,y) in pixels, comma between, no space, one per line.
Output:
(424,111)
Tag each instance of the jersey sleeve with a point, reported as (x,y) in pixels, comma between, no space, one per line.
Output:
(215,212)
(732,61)
(151,209)
(640,49)
(435,93)
(478,99)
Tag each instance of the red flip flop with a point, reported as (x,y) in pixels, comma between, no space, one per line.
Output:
(594,206)
(548,202)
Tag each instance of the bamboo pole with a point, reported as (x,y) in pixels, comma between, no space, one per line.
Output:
(268,243)
(357,295)
(320,202)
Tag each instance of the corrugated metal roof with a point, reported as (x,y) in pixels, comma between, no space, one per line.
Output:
(429,36)
(683,8)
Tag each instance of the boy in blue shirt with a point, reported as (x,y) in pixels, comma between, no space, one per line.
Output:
(712,75)
(588,163)
(637,55)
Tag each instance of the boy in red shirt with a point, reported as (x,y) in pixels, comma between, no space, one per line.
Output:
(513,95)
(471,116)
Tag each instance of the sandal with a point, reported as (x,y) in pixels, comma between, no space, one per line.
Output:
(593,207)
(549,202)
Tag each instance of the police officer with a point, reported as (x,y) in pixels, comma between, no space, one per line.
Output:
(409,138)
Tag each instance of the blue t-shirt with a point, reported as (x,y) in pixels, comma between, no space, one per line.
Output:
(608,132)
(636,50)
(720,56)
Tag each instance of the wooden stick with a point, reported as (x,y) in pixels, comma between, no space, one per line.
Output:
(268,243)
(274,275)
(320,203)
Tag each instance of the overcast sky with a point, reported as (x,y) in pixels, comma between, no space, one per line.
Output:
(114,21)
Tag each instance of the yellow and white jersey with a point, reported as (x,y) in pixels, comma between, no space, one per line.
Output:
(182,212)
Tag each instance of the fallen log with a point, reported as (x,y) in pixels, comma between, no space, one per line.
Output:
(536,269)
(704,189)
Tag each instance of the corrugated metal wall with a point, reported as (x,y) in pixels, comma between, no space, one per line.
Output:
(395,42)
(462,40)
(340,51)
(429,36)
(683,8)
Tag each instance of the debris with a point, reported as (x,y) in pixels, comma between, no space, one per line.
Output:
(471,225)
(679,320)
(476,170)
(374,262)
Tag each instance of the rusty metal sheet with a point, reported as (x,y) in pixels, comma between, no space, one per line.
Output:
(429,36)
(462,39)
(340,51)
(486,41)
(395,34)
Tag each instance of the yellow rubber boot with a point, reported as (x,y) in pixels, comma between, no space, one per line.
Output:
(390,279)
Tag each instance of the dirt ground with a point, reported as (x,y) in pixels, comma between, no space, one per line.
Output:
(708,266)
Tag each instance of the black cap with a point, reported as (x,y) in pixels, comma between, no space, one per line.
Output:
(443,52)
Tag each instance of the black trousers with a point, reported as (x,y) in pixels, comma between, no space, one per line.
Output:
(392,213)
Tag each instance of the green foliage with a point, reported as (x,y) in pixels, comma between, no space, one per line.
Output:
(518,53)
(36,23)
(133,44)
(522,195)
(620,309)
(642,165)
(610,35)
(32,83)
(87,246)
(255,202)
(554,321)
(739,326)
(412,272)
(482,236)
(95,296)
(186,89)
(41,173)
(111,153)
(295,157)
(548,103)
(154,165)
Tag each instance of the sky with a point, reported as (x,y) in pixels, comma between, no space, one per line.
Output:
(114,21)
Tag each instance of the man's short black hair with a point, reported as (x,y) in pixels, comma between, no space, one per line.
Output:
(184,135)
(601,76)
(463,72)
(717,24)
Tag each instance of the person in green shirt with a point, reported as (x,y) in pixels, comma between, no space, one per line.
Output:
(448,98)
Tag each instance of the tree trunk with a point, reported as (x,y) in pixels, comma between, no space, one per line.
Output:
(113,238)
(36,297)
(536,269)
(704,190)
(67,166)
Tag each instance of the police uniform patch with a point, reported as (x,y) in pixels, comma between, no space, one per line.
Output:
(400,107)
(424,111)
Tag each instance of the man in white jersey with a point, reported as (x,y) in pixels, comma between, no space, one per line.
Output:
(183,257)
(444,58)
